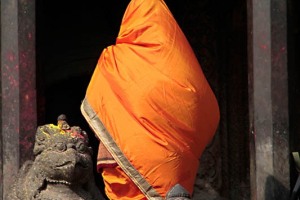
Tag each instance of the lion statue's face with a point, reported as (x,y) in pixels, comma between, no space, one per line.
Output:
(63,156)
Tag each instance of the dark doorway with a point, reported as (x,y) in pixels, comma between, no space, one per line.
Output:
(72,35)
(70,38)
(294,80)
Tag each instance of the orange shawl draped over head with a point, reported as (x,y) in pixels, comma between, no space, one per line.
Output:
(150,105)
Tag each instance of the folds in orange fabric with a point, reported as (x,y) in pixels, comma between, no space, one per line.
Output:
(149,94)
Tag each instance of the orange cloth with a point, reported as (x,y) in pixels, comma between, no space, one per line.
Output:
(157,108)
(119,186)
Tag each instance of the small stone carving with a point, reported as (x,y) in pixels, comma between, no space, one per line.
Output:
(62,168)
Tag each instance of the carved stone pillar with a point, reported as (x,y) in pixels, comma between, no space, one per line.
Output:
(268,99)
(18,95)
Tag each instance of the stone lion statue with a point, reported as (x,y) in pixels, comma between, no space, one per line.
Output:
(62,168)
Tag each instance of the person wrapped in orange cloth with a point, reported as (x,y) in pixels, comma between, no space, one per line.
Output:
(151,107)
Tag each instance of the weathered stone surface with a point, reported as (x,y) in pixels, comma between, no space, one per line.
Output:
(18,87)
(62,168)
(268,100)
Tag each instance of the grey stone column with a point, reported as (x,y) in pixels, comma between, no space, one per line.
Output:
(18,93)
(268,99)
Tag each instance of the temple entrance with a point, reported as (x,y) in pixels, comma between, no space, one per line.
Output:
(247,49)
(70,38)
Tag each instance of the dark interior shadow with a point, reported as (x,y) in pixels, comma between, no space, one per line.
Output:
(275,190)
